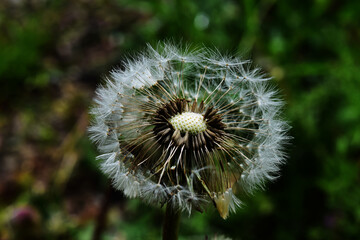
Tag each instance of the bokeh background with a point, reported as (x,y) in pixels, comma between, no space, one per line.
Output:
(53,54)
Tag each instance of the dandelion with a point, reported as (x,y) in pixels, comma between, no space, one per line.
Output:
(188,128)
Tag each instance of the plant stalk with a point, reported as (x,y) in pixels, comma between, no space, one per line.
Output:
(171,223)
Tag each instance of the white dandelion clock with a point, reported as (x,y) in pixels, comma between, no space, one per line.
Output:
(188,128)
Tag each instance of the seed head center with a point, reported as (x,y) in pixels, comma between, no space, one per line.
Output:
(189,122)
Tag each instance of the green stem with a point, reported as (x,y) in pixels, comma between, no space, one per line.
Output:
(171,223)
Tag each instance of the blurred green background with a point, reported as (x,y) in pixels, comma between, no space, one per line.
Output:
(53,54)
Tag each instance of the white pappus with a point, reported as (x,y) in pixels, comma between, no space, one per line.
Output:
(188,128)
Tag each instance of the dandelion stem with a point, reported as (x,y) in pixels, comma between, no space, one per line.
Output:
(171,223)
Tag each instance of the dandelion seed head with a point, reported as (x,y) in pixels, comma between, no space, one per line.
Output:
(188,128)
(189,122)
